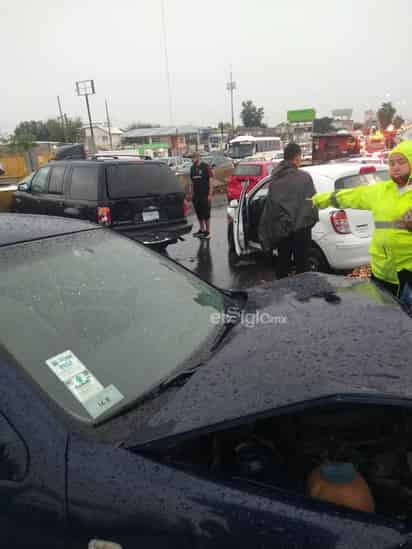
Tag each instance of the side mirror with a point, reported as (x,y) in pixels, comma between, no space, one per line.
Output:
(234,203)
(24,187)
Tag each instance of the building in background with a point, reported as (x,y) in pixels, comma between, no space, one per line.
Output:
(102,137)
(343,119)
(178,140)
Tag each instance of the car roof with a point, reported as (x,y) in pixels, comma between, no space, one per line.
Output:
(104,160)
(255,162)
(341,169)
(18,228)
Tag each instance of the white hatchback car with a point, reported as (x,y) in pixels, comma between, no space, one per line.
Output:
(341,238)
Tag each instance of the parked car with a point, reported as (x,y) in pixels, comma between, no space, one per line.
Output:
(122,424)
(253,171)
(341,238)
(140,199)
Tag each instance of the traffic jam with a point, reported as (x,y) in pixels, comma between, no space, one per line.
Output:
(206,332)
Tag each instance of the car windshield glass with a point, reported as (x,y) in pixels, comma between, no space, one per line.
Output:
(241,150)
(361,179)
(248,169)
(133,180)
(125,314)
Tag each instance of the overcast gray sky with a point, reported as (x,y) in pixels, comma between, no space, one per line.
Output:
(285,55)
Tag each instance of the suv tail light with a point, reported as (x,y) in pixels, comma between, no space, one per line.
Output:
(185,207)
(340,222)
(367,169)
(104,217)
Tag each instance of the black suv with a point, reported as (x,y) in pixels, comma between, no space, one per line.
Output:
(140,199)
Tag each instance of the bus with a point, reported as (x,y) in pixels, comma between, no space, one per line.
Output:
(254,148)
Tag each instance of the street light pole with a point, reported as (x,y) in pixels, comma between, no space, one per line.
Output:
(62,119)
(231,86)
(109,126)
(90,123)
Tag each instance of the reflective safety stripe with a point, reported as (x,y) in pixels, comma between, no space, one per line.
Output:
(389,225)
(334,200)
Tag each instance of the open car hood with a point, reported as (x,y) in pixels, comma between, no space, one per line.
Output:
(328,336)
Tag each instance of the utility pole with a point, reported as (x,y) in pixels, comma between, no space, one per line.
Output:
(62,120)
(166,54)
(86,88)
(231,86)
(108,125)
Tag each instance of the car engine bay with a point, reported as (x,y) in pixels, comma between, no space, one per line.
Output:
(375,442)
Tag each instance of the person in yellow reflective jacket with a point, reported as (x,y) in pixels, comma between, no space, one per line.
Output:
(391,205)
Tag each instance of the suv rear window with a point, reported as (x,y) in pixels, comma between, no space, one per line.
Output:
(84,182)
(361,179)
(248,169)
(132,180)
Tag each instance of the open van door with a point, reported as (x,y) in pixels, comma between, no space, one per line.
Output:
(240,222)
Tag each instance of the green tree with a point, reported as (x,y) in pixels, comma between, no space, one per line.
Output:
(323,125)
(34,128)
(72,131)
(386,114)
(51,130)
(21,143)
(398,121)
(252,116)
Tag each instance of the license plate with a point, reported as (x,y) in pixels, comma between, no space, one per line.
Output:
(150,216)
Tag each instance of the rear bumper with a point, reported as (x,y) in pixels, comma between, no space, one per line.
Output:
(345,252)
(155,236)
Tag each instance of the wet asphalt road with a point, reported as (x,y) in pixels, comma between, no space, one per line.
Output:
(210,259)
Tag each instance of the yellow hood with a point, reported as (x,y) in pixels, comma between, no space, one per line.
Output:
(404,148)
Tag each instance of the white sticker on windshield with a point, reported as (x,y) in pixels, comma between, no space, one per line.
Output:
(83,385)
(74,374)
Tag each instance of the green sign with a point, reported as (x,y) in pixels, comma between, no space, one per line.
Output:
(305,115)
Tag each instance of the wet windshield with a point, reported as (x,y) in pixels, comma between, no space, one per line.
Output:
(100,318)
(241,150)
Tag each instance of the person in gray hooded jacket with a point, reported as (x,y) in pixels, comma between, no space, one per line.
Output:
(288,216)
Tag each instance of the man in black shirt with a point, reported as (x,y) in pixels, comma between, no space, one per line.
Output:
(200,175)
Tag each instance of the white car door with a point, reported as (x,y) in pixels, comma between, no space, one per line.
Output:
(239,228)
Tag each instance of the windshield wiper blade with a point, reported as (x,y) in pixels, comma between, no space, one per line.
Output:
(229,322)
(178,379)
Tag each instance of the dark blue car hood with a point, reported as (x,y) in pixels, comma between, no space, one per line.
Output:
(328,336)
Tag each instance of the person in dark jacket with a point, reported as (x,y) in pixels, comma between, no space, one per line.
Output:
(200,175)
(288,215)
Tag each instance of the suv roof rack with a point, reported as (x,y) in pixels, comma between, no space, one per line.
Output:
(118,157)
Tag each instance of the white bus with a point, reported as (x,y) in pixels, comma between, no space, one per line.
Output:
(256,148)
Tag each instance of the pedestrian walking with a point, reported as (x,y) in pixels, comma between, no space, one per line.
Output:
(391,205)
(201,192)
(288,218)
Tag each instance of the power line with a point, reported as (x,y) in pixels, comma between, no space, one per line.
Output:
(169,87)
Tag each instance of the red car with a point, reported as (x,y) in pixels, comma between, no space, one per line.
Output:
(253,171)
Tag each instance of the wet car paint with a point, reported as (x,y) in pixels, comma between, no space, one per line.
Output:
(80,488)
(296,357)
